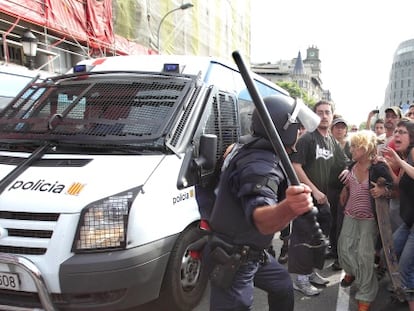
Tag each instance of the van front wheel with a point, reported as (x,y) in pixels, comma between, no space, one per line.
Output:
(186,277)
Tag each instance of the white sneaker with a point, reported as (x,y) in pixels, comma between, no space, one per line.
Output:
(306,288)
(315,278)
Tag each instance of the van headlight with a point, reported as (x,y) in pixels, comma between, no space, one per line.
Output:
(103,224)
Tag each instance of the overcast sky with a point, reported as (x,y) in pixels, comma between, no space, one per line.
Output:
(356,40)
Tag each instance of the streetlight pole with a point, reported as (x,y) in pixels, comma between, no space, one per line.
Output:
(181,7)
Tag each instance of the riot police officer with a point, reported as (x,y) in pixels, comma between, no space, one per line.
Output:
(254,201)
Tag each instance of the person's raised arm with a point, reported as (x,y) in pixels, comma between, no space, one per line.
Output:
(394,159)
(368,123)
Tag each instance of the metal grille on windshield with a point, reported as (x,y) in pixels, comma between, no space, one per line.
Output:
(96,109)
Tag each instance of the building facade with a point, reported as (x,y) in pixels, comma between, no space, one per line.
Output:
(400,88)
(305,72)
(72,30)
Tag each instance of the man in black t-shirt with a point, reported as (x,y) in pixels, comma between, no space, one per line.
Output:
(317,152)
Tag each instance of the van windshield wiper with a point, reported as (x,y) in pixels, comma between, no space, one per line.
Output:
(23,145)
(18,170)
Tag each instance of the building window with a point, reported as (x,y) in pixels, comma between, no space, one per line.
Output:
(14,53)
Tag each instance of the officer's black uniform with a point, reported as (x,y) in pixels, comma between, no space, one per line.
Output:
(252,177)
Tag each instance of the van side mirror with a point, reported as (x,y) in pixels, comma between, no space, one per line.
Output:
(191,169)
(207,152)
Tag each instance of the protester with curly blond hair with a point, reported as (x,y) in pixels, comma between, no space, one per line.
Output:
(356,243)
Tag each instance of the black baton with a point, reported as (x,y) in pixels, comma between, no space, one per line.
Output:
(266,120)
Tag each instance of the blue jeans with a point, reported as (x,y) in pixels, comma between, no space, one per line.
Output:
(404,248)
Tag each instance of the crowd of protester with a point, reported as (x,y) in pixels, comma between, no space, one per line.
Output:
(383,149)
(343,170)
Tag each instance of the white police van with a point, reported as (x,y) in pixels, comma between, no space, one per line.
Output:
(98,176)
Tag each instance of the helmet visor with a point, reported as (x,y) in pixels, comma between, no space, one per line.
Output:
(306,116)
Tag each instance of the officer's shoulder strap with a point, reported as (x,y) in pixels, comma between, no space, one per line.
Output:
(260,181)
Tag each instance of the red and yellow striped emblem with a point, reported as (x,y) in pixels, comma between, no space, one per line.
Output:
(75,188)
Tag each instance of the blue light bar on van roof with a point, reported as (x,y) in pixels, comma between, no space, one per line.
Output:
(171,68)
(82,68)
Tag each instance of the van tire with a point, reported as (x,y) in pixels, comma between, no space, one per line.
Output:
(180,291)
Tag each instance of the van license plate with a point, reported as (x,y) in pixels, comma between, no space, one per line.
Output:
(9,281)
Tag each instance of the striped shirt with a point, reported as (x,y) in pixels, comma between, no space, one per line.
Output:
(359,203)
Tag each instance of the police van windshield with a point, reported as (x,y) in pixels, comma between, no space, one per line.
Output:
(97,110)
(10,86)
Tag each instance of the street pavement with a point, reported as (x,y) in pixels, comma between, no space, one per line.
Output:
(332,298)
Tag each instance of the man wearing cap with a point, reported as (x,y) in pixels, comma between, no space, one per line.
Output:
(339,130)
(392,116)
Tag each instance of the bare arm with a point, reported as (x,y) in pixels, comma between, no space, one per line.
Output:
(394,159)
(343,196)
(273,218)
(319,196)
(368,124)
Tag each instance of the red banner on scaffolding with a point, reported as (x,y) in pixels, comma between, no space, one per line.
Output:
(67,17)
(33,11)
(87,21)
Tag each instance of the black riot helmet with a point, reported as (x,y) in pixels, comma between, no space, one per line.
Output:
(287,114)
